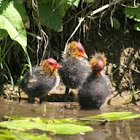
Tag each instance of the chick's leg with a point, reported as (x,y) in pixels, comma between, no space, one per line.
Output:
(31,99)
(66,94)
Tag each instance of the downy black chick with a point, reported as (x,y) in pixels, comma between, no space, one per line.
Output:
(75,67)
(96,88)
(43,79)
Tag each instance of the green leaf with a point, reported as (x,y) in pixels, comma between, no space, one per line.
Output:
(3,33)
(115,116)
(28,136)
(132,12)
(70,129)
(37,123)
(11,21)
(19,6)
(53,11)
(137,26)
(14,135)
(6,134)
(49,17)
(48,120)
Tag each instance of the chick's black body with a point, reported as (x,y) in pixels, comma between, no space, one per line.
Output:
(94,91)
(37,84)
(74,72)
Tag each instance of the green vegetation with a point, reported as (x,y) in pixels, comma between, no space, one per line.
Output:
(11,21)
(51,127)
(16,135)
(133,12)
(15,126)
(52,12)
(115,116)
(12,15)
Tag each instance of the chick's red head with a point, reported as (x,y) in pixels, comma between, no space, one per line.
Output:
(75,49)
(98,62)
(49,65)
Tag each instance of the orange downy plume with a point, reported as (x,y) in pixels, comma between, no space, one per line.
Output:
(75,49)
(97,58)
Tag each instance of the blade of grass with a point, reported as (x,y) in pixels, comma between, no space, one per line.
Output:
(10,75)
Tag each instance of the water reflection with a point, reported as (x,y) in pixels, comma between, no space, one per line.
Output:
(118,130)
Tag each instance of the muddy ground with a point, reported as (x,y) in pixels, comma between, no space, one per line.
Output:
(115,100)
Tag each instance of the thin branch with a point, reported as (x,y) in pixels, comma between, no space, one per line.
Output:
(34,35)
(75,30)
(91,14)
(46,42)
(105,7)
(137,71)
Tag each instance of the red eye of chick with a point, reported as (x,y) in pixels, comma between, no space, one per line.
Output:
(51,61)
(80,47)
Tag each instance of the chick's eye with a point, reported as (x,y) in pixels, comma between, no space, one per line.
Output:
(80,49)
(51,63)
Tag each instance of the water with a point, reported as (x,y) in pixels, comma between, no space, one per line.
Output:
(118,130)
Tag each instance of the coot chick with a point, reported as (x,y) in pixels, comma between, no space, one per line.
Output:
(75,67)
(96,88)
(43,79)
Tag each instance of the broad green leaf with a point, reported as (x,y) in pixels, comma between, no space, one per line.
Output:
(70,129)
(37,123)
(16,117)
(137,26)
(49,120)
(132,12)
(3,33)
(6,135)
(19,6)
(11,21)
(115,116)
(53,11)
(29,136)
(15,135)
(19,125)
(50,17)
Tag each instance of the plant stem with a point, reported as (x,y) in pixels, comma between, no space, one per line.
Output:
(91,14)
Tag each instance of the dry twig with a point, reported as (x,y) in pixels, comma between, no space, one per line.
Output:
(91,14)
